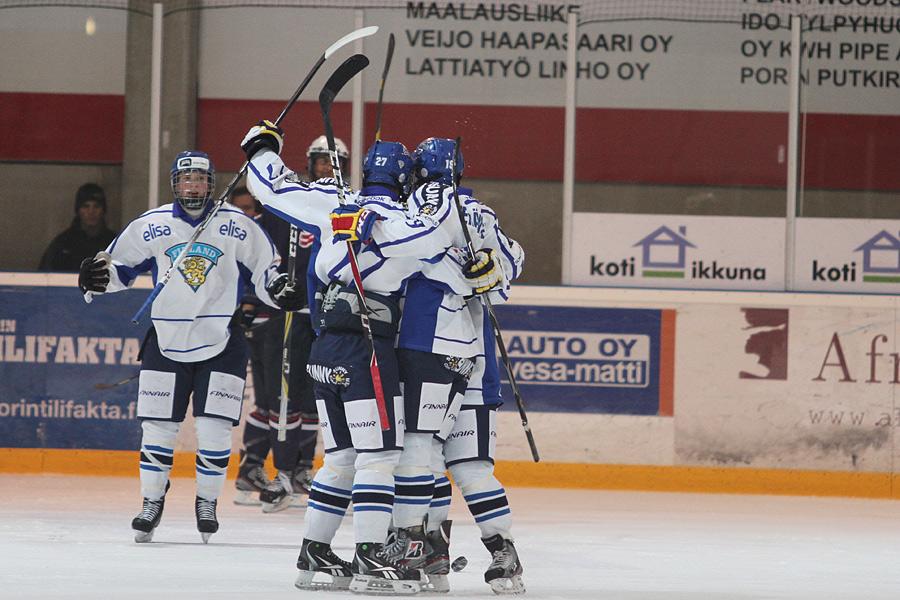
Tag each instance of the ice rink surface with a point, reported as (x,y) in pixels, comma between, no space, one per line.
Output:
(70,537)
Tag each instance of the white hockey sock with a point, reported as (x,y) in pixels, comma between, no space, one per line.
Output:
(213,452)
(157,452)
(330,496)
(413,481)
(439,509)
(373,495)
(484,496)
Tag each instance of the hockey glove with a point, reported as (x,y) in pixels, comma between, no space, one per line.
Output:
(351,223)
(264,134)
(286,293)
(483,272)
(93,276)
(247,315)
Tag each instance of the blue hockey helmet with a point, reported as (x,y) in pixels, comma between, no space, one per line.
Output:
(388,163)
(433,161)
(193,178)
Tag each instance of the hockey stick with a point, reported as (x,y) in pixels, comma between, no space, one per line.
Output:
(490,309)
(286,341)
(109,386)
(384,74)
(341,76)
(176,263)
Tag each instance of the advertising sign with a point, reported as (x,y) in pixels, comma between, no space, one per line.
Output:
(678,251)
(788,386)
(54,349)
(848,255)
(590,360)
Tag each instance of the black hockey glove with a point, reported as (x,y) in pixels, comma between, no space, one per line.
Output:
(93,276)
(264,134)
(286,293)
(247,315)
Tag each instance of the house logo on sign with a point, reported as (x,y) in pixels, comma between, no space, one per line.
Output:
(664,253)
(881,258)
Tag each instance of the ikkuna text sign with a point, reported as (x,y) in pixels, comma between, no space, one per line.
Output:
(848,255)
(677,251)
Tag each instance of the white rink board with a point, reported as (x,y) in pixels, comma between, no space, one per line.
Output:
(814,418)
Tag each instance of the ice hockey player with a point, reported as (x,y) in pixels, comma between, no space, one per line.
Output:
(360,456)
(470,458)
(293,457)
(193,347)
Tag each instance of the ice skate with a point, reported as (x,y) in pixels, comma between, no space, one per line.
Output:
(406,547)
(505,573)
(437,562)
(206,518)
(321,569)
(251,480)
(278,494)
(145,523)
(302,484)
(374,574)
(302,481)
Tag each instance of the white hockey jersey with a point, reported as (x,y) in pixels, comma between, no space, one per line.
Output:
(192,312)
(401,246)
(440,321)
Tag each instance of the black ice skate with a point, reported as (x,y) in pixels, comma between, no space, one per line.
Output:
(407,547)
(206,518)
(278,494)
(374,573)
(437,563)
(321,569)
(505,573)
(302,480)
(145,523)
(251,480)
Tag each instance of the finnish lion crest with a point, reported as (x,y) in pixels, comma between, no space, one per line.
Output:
(197,264)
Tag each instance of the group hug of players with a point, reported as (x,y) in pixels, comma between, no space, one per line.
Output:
(406,378)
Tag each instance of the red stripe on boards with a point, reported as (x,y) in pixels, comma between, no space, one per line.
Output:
(62,127)
(719,148)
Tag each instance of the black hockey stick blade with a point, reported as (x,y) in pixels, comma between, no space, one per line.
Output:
(109,386)
(344,73)
(384,74)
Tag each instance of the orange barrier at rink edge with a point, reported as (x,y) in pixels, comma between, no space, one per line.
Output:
(113,463)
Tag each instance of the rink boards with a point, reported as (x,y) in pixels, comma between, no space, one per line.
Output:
(752,392)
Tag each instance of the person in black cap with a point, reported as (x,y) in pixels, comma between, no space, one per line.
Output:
(85,237)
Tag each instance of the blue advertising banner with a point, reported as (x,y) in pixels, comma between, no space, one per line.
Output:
(590,360)
(54,350)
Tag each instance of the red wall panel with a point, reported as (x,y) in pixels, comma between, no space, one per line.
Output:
(722,148)
(62,127)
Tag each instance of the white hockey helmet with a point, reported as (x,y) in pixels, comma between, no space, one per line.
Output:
(319,147)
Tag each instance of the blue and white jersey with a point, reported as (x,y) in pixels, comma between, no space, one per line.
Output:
(192,312)
(436,317)
(400,246)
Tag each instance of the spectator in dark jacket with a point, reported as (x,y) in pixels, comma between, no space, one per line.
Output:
(87,235)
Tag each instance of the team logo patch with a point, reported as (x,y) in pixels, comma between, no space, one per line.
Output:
(197,264)
(460,365)
(339,376)
(332,375)
(428,209)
